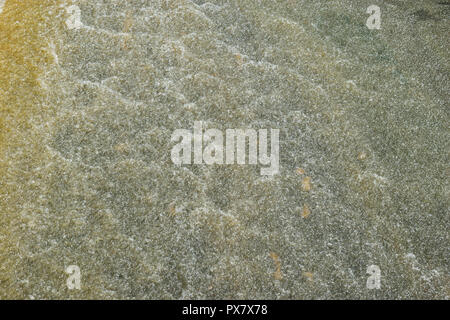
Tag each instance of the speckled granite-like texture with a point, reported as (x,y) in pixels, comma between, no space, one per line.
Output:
(86,178)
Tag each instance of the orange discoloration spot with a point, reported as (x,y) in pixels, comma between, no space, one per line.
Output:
(362,156)
(239,59)
(309,275)
(122,148)
(176,50)
(306,184)
(172,210)
(277,274)
(305,212)
(127,25)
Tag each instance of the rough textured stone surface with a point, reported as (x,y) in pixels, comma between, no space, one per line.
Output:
(87,179)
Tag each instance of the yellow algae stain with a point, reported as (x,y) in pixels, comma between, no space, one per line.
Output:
(277,274)
(23,55)
(300,171)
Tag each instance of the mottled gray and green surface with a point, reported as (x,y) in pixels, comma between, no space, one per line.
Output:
(87,179)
